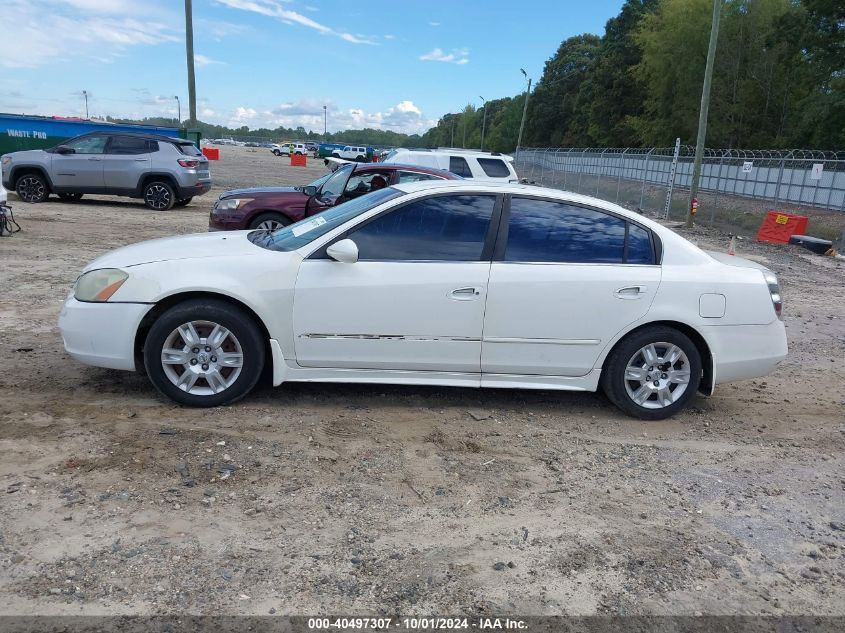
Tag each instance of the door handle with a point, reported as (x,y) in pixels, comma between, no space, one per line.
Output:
(142,160)
(465,294)
(630,292)
(95,159)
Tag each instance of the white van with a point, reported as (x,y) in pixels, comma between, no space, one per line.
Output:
(469,164)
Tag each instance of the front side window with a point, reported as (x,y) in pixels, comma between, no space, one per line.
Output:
(95,144)
(359,184)
(551,231)
(334,186)
(458,165)
(441,228)
(494,167)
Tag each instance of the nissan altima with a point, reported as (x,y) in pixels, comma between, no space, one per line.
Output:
(434,283)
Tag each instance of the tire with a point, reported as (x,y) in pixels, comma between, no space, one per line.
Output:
(32,187)
(277,152)
(335,155)
(70,197)
(159,195)
(360,159)
(647,351)
(268,219)
(210,381)
(184,202)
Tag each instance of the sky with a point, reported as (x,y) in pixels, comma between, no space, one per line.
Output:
(395,64)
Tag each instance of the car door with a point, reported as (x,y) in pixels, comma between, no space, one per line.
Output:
(82,169)
(414,300)
(564,281)
(125,162)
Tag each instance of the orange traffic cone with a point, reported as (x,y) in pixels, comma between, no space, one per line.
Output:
(732,246)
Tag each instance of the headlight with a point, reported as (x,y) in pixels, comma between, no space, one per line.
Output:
(6,160)
(99,285)
(230,204)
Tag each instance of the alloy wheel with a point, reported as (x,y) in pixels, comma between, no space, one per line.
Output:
(657,375)
(31,189)
(157,197)
(269,225)
(202,358)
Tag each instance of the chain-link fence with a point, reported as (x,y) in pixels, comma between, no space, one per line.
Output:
(736,188)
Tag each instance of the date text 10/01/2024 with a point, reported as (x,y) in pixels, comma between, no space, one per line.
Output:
(425,624)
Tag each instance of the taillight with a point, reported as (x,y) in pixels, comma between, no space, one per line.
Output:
(189,162)
(774,291)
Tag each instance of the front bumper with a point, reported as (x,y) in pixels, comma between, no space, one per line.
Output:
(745,351)
(101,334)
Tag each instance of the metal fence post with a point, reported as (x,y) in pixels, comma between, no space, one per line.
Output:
(621,169)
(645,175)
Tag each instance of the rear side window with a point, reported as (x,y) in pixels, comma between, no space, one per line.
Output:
(547,231)
(189,149)
(494,167)
(128,145)
(458,165)
(410,176)
(440,228)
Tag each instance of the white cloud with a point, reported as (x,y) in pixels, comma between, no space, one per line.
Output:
(390,37)
(458,56)
(434,23)
(310,8)
(43,34)
(274,9)
(203,60)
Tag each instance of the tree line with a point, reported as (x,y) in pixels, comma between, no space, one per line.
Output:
(778,82)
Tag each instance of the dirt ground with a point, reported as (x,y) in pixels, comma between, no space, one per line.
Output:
(315,499)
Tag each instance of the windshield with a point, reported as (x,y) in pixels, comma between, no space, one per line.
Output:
(297,235)
(389,156)
(318,183)
(335,184)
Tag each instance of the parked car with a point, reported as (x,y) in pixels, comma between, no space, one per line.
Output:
(468,164)
(280,150)
(325,150)
(162,170)
(274,207)
(460,283)
(357,153)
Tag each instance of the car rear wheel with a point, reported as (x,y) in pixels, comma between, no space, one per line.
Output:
(32,188)
(184,202)
(269,221)
(159,196)
(652,373)
(70,197)
(204,353)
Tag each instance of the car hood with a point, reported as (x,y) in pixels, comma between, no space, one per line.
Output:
(198,245)
(259,191)
(28,154)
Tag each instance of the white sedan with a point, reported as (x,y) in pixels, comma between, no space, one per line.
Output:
(434,283)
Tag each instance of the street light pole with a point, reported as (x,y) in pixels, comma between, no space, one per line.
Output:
(483,121)
(85,94)
(178,108)
(524,112)
(325,123)
(189,50)
(702,113)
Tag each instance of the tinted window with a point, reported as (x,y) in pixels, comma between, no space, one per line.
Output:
(88,145)
(639,245)
(445,228)
(494,167)
(410,176)
(545,231)
(128,145)
(189,149)
(458,165)
(335,184)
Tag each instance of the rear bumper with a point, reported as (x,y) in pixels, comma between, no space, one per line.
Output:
(195,190)
(101,334)
(745,351)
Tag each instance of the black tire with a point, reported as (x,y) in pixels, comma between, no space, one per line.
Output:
(269,217)
(184,202)
(616,385)
(360,159)
(335,155)
(32,187)
(277,152)
(246,332)
(70,197)
(159,195)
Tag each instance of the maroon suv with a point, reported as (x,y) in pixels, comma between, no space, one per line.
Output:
(274,207)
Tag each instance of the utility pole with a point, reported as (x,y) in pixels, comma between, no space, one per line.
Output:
(178,109)
(452,142)
(189,49)
(524,112)
(702,113)
(85,94)
(483,121)
(325,123)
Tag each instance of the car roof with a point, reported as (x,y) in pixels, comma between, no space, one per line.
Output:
(144,135)
(413,168)
(497,187)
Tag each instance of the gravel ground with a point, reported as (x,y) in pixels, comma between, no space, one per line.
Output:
(311,499)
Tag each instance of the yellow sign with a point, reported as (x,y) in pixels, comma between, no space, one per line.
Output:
(781,218)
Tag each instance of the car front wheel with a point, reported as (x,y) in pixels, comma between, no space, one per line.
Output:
(652,373)
(32,188)
(159,196)
(204,353)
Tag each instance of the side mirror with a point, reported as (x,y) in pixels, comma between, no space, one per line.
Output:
(64,149)
(345,251)
(309,190)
